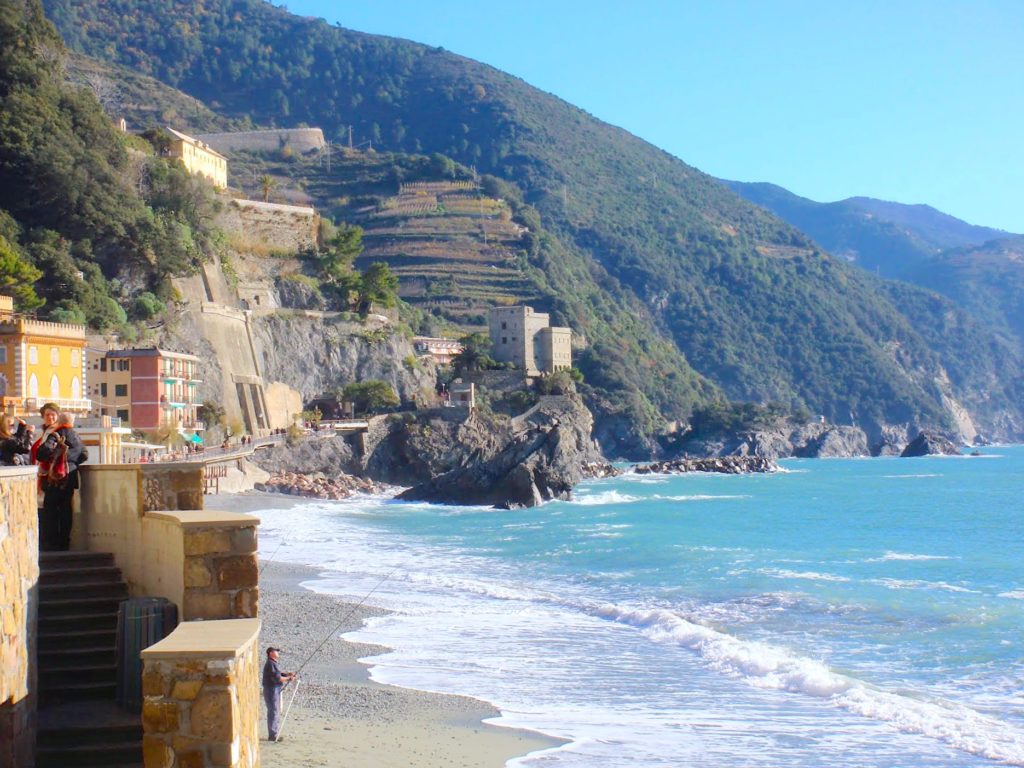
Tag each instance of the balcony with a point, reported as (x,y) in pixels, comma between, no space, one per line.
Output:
(64,404)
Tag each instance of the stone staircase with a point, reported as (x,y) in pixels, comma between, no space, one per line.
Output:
(79,723)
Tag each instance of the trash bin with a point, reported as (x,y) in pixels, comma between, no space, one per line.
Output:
(141,622)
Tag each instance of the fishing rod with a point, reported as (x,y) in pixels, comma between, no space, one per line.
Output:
(345,618)
(268,562)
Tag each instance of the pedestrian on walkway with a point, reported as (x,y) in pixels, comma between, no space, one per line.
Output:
(58,452)
(274,681)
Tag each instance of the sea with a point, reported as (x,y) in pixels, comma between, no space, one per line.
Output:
(839,612)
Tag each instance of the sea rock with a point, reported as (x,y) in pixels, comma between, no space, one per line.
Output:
(319,486)
(322,452)
(810,440)
(483,460)
(929,443)
(730,465)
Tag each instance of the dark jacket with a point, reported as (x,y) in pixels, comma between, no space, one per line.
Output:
(18,444)
(77,453)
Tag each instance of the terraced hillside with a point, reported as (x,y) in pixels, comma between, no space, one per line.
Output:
(456,251)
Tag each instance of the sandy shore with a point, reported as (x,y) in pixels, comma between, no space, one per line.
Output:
(342,718)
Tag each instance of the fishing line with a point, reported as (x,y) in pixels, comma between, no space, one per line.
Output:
(345,618)
(268,562)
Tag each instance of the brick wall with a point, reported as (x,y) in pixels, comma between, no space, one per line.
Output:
(19,578)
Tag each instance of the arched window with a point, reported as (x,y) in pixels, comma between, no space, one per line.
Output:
(33,385)
(54,356)
(76,389)
(54,387)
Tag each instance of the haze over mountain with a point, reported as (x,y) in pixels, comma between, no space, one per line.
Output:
(681,290)
(882,237)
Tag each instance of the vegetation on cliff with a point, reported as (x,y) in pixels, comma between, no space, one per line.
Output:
(656,265)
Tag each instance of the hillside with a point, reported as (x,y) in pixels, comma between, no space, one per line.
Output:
(658,265)
(882,237)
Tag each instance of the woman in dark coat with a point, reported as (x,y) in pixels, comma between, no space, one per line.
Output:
(58,486)
(15,441)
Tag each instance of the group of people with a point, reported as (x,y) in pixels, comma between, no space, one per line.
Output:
(58,452)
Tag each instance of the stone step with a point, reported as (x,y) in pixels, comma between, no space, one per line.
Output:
(70,623)
(82,606)
(79,691)
(76,657)
(98,573)
(59,640)
(72,590)
(127,751)
(57,680)
(55,561)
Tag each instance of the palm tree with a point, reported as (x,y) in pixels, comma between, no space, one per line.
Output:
(267,183)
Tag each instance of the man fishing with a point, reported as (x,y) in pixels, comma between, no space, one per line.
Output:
(274,681)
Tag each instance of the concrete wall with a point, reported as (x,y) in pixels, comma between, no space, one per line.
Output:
(19,600)
(203,561)
(201,687)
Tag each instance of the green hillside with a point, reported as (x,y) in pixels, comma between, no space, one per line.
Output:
(887,238)
(656,263)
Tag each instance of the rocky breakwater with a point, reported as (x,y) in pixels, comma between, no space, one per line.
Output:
(484,459)
(729,465)
(319,485)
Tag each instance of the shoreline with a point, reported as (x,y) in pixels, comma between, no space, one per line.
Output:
(340,716)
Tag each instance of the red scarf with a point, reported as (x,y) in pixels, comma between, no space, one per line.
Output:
(55,471)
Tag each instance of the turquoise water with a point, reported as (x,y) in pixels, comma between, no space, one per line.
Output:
(840,612)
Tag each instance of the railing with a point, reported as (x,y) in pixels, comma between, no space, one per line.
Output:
(65,404)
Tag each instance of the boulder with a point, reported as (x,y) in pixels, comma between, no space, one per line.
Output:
(929,443)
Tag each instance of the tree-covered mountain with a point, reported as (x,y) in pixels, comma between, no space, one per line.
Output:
(92,223)
(660,268)
(882,237)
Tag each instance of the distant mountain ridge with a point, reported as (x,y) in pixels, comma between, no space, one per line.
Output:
(683,291)
(884,237)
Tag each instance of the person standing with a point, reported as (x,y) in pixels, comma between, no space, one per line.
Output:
(273,682)
(15,441)
(58,452)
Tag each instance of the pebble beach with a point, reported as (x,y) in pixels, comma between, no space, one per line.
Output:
(340,717)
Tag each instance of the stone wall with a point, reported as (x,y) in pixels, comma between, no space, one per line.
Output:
(19,578)
(221,573)
(201,696)
(300,140)
(264,229)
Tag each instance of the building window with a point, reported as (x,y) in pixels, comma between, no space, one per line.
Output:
(504,339)
(54,387)
(3,384)
(504,325)
(75,360)
(123,415)
(103,363)
(123,365)
(120,390)
(3,355)
(54,356)
(33,386)
(76,389)
(33,355)
(103,389)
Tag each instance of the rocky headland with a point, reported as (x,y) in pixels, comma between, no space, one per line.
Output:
(930,443)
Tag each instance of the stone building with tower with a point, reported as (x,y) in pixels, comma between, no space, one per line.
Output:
(527,339)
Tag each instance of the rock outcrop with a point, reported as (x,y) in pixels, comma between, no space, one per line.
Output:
(812,440)
(729,465)
(484,460)
(929,443)
(327,454)
(319,486)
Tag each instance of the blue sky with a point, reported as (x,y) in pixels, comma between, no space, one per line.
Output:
(918,102)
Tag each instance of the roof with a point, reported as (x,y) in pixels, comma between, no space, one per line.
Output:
(195,142)
(151,352)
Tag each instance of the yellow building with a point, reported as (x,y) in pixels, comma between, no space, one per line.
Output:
(199,159)
(40,362)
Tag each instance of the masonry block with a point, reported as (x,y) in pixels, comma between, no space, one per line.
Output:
(213,716)
(156,753)
(197,574)
(243,540)
(207,542)
(247,604)
(237,572)
(202,605)
(186,690)
(160,716)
